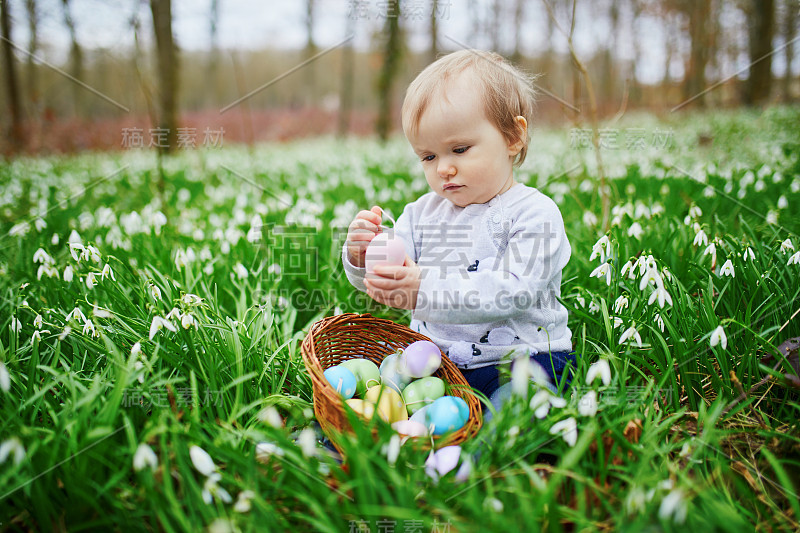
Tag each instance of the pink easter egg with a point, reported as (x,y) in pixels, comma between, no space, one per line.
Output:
(421,358)
(385,249)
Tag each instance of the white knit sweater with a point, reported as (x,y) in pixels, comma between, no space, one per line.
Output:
(490,275)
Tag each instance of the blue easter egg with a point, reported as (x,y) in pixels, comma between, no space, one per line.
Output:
(446,414)
(342,380)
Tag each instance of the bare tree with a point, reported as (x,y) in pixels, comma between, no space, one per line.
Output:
(789,35)
(346,86)
(519,15)
(17,132)
(310,50)
(391,64)
(75,58)
(433,52)
(213,57)
(167,73)
(761,30)
(33,48)
(695,82)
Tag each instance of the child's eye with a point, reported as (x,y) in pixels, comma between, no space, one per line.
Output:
(428,158)
(461,149)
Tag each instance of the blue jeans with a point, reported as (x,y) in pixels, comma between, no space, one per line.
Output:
(558,365)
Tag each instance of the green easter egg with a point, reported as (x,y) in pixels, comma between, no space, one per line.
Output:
(422,392)
(366,373)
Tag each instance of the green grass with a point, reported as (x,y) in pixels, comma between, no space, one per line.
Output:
(80,404)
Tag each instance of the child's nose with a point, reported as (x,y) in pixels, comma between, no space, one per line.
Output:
(446,170)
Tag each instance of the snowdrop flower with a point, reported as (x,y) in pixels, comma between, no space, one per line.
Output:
(651,276)
(63,335)
(593,307)
(627,268)
(241,271)
(711,250)
(191,299)
(662,295)
(307,441)
(442,461)
(600,369)
(629,333)
(568,429)
(718,337)
(749,253)
(274,268)
(620,304)
(15,325)
(392,449)
(617,322)
(107,272)
(674,506)
(211,490)
(40,256)
(523,371)
(90,281)
(602,270)
(12,445)
(587,405)
(54,240)
(782,202)
(74,248)
(658,320)
(601,247)
(201,460)
(137,366)
(542,401)
(242,504)
(89,329)
(700,239)
(74,238)
(187,321)
(635,500)
(144,457)
(727,269)
(5,378)
(159,323)
(37,322)
(68,273)
(99,312)
(91,253)
(265,450)
(794,260)
(772,217)
(589,219)
(695,212)
(787,246)
(271,416)
(635,231)
(136,349)
(494,504)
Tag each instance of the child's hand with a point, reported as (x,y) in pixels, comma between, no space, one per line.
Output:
(395,286)
(360,233)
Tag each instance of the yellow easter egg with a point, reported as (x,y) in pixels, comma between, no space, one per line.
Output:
(389,403)
(362,407)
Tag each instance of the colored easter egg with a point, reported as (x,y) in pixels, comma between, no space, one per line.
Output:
(410,428)
(421,358)
(388,401)
(392,375)
(445,414)
(422,392)
(362,407)
(342,380)
(365,371)
(385,249)
(420,415)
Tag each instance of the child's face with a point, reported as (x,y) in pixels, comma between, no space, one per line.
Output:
(465,157)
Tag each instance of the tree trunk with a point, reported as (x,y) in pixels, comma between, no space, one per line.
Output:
(699,11)
(167,74)
(33,49)
(17,133)
(391,64)
(761,30)
(213,96)
(310,50)
(346,87)
(432,52)
(76,59)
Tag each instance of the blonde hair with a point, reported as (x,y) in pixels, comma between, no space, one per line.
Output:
(507,92)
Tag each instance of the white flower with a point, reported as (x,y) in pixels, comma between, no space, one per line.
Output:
(589,219)
(602,270)
(542,401)
(90,281)
(442,461)
(201,460)
(600,368)
(307,440)
(107,272)
(188,321)
(40,256)
(242,504)
(16,325)
(700,239)
(635,231)
(787,246)
(76,314)
(631,332)
(651,276)
(627,268)
(99,312)
(12,445)
(264,450)
(593,307)
(523,371)
(271,416)
(155,292)
(63,335)
(241,271)
(711,250)
(772,217)
(601,247)
(89,329)
(68,273)
(568,429)
(695,212)
(37,322)
(211,490)
(617,322)
(274,268)
(91,253)
(658,320)
(136,349)
(727,269)
(620,304)
(662,295)
(191,299)
(718,337)
(158,323)
(794,260)
(674,506)
(5,378)
(635,501)
(783,203)
(749,253)
(144,457)
(392,449)
(587,405)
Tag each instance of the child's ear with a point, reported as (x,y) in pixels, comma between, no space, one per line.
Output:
(522,136)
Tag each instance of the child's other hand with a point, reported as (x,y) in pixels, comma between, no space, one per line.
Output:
(395,286)
(360,233)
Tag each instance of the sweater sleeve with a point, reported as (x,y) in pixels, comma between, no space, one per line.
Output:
(526,273)
(403,229)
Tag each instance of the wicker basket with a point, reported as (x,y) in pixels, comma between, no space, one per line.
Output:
(335,339)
